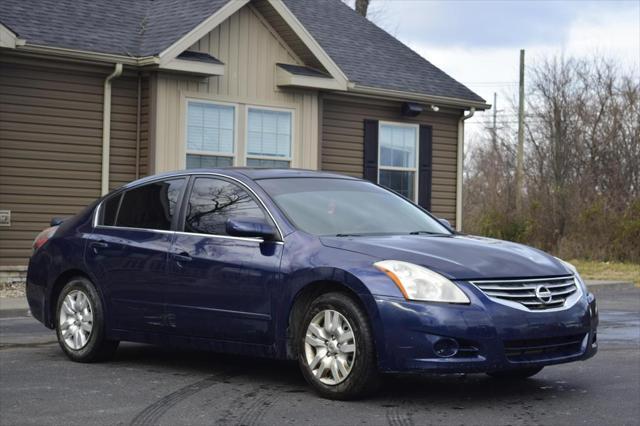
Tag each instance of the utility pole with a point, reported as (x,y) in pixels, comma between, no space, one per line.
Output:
(494,136)
(520,150)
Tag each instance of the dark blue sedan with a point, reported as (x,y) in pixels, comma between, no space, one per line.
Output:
(350,279)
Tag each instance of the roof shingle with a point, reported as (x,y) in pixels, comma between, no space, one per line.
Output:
(367,55)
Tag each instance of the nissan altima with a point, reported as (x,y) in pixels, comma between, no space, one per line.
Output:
(346,277)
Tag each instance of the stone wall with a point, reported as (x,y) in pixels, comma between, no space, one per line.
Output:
(12,278)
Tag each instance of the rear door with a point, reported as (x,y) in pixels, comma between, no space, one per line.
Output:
(128,249)
(220,286)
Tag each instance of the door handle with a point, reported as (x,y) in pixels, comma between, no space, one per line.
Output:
(97,245)
(183,256)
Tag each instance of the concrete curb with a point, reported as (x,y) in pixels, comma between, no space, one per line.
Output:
(14,307)
(597,286)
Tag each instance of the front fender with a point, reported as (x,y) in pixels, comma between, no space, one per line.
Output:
(306,262)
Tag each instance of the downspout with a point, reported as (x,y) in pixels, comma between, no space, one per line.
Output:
(460,168)
(106,127)
(138,114)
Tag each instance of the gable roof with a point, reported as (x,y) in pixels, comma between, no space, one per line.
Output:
(367,55)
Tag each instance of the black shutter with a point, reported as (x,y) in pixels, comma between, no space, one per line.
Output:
(370,171)
(425,167)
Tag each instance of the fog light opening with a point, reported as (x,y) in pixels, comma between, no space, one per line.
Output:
(446,348)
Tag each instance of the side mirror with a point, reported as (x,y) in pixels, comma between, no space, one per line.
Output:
(445,222)
(56,221)
(251,228)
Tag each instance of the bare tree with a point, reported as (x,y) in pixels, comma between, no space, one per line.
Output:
(362,6)
(582,164)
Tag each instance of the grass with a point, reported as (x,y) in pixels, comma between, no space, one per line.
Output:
(610,271)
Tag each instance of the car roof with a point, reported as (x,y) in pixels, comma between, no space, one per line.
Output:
(247,172)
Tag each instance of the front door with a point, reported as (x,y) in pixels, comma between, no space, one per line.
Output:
(221,285)
(128,251)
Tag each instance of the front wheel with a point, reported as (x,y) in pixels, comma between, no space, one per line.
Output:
(335,348)
(80,323)
(517,374)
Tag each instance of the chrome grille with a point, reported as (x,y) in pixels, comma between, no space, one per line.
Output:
(533,294)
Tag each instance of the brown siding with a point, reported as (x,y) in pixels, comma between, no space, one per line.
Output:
(51,144)
(342,142)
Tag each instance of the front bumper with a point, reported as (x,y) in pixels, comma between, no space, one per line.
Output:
(485,335)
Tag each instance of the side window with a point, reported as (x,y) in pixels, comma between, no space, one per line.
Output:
(213,201)
(150,206)
(109,210)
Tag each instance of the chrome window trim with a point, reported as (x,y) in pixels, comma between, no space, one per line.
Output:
(568,303)
(163,231)
(96,212)
(159,231)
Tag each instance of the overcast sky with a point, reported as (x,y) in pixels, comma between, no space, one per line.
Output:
(477,42)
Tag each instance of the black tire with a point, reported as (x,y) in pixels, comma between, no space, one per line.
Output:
(516,374)
(97,347)
(363,378)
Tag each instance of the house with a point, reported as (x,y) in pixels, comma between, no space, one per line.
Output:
(96,93)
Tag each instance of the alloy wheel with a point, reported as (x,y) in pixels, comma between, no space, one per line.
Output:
(330,347)
(76,320)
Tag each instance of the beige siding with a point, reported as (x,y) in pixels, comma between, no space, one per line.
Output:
(50,144)
(249,48)
(342,142)
(285,32)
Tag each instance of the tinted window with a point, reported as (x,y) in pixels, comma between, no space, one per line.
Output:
(213,201)
(150,206)
(347,207)
(110,209)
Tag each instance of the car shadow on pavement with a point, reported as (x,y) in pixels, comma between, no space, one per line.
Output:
(456,391)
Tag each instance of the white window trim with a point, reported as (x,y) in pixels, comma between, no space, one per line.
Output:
(402,169)
(269,157)
(187,151)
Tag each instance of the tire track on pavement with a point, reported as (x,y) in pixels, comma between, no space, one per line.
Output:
(397,415)
(151,414)
(253,405)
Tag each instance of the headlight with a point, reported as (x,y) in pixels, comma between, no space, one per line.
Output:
(573,269)
(419,283)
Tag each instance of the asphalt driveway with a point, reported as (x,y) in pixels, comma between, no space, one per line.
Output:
(151,385)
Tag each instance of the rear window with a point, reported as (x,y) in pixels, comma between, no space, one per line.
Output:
(150,206)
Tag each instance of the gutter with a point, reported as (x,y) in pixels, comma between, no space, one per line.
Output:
(408,96)
(138,119)
(87,55)
(460,167)
(106,127)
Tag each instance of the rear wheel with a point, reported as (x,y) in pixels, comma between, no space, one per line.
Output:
(80,323)
(517,374)
(335,348)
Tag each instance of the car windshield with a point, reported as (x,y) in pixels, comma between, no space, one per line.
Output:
(343,207)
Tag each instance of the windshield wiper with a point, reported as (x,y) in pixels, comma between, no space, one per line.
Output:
(349,235)
(426,233)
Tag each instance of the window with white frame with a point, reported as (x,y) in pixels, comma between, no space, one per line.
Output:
(269,137)
(210,134)
(398,158)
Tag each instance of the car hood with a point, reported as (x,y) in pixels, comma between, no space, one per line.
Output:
(461,257)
